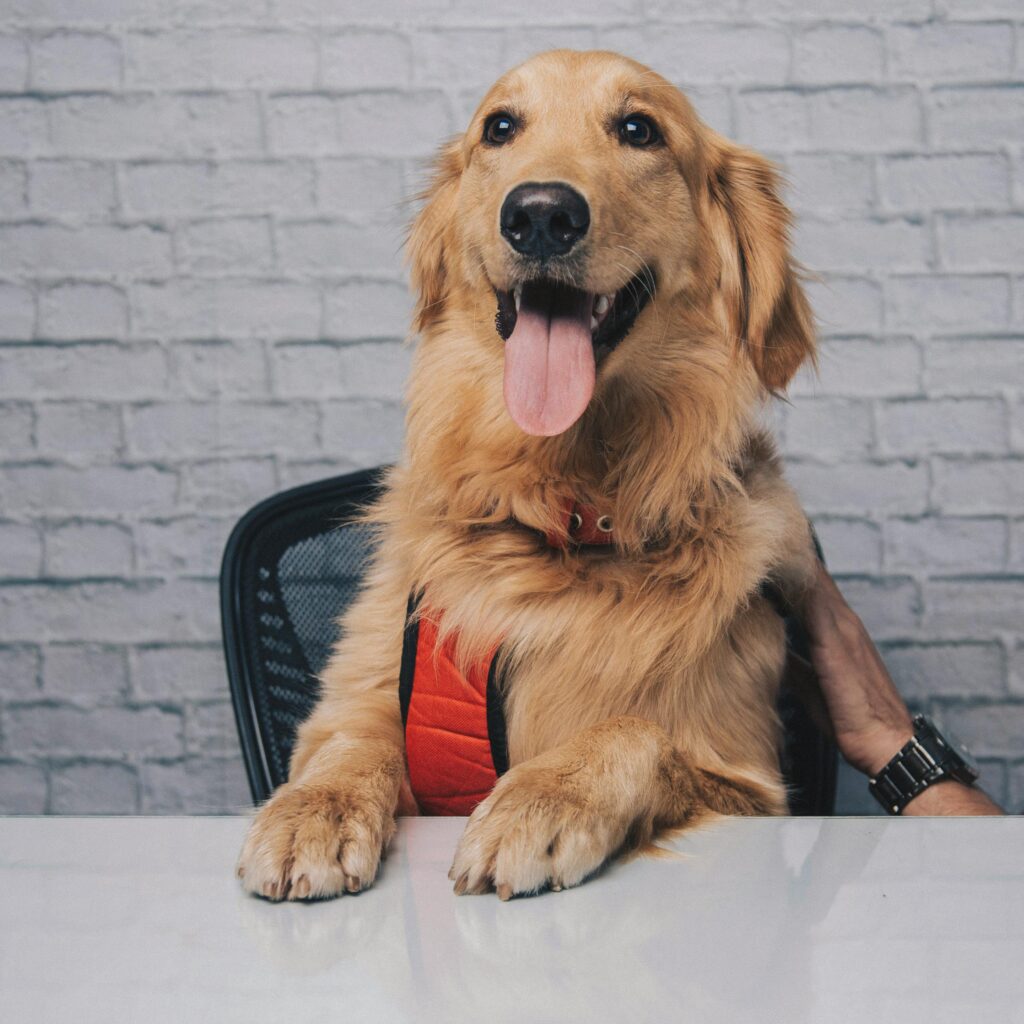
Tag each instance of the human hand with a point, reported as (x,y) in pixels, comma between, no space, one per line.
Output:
(869,718)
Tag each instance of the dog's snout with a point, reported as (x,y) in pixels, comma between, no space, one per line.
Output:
(543,220)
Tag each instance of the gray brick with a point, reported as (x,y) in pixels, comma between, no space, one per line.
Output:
(335,247)
(392,123)
(19,672)
(860,118)
(973,366)
(975,608)
(857,368)
(84,672)
(191,544)
(17,428)
(227,58)
(1017,670)
(993,729)
(830,182)
(302,124)
(367,309)
(853,244)
(95,788)
(78,432)
(110,612)
(978,241)
(892,487)
(23,788)
(462,57)
(950,51)
(18,306)
(269,309)
(946,544)
(889,607)
(234,484)
(83,311)
(230,246)
(84,549)
(929,670)
(13,189)
(21,550)
(157,125)
(1016,559)
(170,429)
(67,61)
(217,369)
(375,370)
(918,425)
(71,188)
(13,64)
(944,303)
(48,488)
(979,485)
(170,673)
(358,188)
(829,54)
(845,305)
(210,729)
(82,371)
(713,53)
(828,427)
(232,187)
(914,183)
(773,119)
(976,116)
(368,433)
(852,546)
(195,786)
(370,59)
(84,12)
(523,41)
(48,248)
(885,10)
(24,131)
(67,730)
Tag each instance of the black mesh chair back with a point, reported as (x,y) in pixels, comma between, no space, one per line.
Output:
(293,564)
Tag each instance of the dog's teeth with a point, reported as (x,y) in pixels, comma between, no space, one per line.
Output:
(602,304)
(593,323)
(517,294)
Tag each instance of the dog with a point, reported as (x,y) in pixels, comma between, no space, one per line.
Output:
(605,299)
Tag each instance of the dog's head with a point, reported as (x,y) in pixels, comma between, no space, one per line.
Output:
(595,212)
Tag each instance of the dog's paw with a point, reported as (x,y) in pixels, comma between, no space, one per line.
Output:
(313,842)
(531,834)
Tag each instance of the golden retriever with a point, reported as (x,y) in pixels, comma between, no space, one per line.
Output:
(647,304)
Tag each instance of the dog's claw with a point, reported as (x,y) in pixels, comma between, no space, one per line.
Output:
(461,885)
(504,892)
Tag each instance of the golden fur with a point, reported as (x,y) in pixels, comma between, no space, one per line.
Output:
(642,679)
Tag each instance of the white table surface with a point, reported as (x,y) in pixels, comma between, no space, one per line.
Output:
(761,920)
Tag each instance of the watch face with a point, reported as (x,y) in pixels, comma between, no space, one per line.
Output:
(960,748)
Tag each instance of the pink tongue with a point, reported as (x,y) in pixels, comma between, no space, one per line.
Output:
(549,360)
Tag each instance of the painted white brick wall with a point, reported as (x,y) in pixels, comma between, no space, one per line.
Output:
(201,302)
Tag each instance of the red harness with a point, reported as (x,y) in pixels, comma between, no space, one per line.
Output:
(455,742)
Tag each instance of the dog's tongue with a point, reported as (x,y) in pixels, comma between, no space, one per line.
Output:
(549,359)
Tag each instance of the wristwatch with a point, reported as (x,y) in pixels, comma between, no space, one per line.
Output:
(924,760)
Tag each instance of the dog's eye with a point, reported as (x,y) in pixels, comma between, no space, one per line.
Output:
(499,128)
(638,131)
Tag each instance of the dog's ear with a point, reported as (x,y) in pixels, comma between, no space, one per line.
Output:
(429,247)
(757,279)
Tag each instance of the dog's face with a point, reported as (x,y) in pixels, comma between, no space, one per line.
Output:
(588,201)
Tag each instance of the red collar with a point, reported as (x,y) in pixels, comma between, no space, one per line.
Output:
(582,525)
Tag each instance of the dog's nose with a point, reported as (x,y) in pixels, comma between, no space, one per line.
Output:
(543,220)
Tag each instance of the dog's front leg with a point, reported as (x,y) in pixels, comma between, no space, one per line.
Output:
(555,819)
(324,831)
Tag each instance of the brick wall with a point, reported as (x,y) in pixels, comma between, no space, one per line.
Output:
(201,303)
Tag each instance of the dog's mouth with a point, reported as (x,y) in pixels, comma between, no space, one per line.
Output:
(554,337)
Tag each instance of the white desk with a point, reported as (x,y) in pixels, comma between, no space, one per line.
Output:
(802,920)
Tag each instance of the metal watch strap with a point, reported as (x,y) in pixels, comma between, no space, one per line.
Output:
(923,760)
